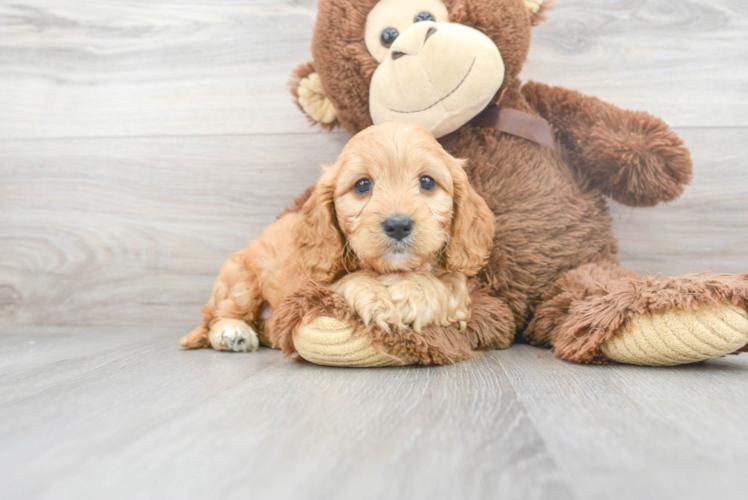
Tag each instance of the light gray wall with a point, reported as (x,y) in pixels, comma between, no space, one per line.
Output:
(143,141)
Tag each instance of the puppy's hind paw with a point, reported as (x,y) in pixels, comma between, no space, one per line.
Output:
(233,335)
(196,339)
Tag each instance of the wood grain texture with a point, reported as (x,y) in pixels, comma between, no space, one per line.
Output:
(682,60)
(133,231)
(144,68)
(143,141)
(625,432)
(707,228)
(122,412)
(125,413)
(111,231)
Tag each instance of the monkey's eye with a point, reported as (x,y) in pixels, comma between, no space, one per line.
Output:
(363,186)
(388,37)
(423,16)
(427,183)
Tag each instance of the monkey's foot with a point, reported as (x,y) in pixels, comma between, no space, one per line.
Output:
(679,337)
(329,342)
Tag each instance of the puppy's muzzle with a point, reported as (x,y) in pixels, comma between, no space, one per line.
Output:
(398,228)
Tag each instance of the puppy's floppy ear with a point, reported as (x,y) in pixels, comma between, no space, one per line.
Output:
(318,241)
(311,98)
(473,226)
(537,9)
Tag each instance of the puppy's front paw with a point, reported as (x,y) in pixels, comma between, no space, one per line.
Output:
(376,307)
(423,299)
(369,300)
(233,335)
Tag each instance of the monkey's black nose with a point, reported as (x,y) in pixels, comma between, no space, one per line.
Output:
(398,228)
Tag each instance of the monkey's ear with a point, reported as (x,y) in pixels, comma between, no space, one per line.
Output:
(311,98)
(537,9)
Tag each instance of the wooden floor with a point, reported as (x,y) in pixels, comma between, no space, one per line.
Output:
(143,141)
(119,412)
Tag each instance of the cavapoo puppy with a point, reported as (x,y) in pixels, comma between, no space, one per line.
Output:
(393,226)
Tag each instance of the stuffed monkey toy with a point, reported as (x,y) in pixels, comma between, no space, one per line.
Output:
(544,158)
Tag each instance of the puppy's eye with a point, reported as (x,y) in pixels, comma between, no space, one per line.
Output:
(427,183)
(423,16)
(363,186)
(388,37)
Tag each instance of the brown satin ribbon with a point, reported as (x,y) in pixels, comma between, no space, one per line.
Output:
(510,121)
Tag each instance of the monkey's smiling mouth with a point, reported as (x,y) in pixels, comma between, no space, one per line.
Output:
(470,69)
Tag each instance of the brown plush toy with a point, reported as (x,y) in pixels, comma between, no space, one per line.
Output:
(543,158)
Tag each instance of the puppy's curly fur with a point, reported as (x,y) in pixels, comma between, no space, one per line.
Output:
(339,239)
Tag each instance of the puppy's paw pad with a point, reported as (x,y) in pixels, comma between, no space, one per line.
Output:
(234,336)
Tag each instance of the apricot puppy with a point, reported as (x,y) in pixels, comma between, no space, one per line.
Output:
(393,226)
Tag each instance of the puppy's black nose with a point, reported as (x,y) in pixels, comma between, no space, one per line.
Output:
(398,228)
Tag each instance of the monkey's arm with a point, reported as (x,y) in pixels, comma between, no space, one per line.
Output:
(630,156)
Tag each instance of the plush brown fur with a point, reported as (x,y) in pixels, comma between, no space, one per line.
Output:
(346,67)
(630,156)
(336,237)
(587,306)
(552,275)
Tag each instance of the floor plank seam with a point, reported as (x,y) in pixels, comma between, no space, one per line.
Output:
(552,452)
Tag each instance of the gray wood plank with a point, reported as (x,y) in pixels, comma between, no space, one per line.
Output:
(707,228)
(123,412)
(142,418)
(133,231)
(122,231)
(138,68)
(682,60)
(644,433)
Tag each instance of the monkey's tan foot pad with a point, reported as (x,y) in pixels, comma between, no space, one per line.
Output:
(329,342)
(679,337)
(533,5)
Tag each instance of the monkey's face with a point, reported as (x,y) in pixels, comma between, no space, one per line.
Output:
(431,72)
(434,63)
